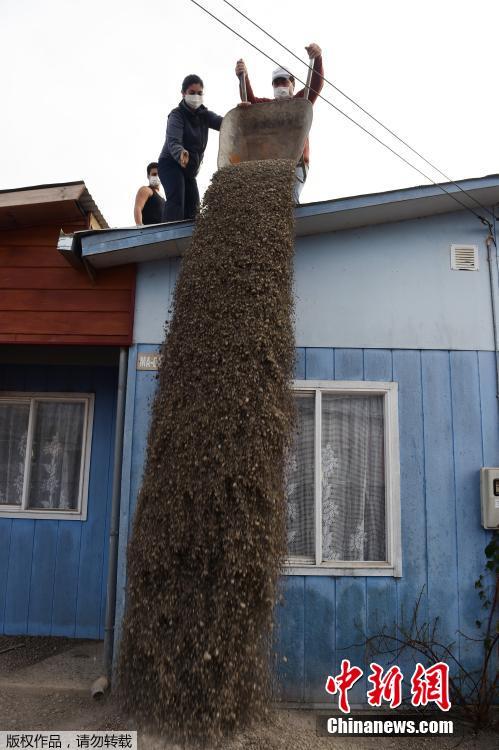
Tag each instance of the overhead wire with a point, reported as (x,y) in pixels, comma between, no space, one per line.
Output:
(347,116)
(361,108)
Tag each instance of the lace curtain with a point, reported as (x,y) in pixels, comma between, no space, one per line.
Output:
(300,483)
(56,453)
(353,478)
(353,481)
(13,434)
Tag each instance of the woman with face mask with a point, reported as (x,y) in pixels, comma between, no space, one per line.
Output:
(283,84)
(149,205)
(183,151)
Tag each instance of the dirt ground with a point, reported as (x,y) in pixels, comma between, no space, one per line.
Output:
(17,652)
(287,731)
(29,706)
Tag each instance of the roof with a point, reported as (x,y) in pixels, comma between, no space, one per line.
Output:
(131,245)
(42,204)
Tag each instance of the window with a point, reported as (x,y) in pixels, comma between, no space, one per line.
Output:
(45,443)
(342,480)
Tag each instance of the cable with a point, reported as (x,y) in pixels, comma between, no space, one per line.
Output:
(375,137)
(359,106)
(382,143)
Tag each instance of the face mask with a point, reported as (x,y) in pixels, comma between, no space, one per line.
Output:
(154,181)
(194,100)
(281,92)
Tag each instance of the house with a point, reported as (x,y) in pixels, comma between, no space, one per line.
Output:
(396,383)
(61,329)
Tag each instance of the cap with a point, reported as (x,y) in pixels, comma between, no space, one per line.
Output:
(281,73)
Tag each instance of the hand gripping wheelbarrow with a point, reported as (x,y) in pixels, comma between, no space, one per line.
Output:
(267,130)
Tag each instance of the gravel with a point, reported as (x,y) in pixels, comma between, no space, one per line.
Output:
(21,651)
(283,730)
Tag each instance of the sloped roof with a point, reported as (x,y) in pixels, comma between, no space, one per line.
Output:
(42,204)
(131,245)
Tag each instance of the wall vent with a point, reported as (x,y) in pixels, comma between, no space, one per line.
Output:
(464,257)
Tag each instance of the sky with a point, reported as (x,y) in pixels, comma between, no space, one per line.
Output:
(86,87)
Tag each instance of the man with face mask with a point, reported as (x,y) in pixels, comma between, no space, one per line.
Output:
(183,151)
(284,88)
(149,205)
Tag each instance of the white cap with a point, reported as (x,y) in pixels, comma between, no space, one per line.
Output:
(281,73)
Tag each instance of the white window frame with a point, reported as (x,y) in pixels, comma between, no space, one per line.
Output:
(80,512)
(393,565)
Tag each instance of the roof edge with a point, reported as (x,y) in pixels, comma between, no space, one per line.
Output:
(68,191)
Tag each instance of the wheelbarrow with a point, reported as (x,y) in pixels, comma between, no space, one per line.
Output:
(267,130)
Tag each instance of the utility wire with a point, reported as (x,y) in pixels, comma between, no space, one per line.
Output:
(359,106)
(351,119)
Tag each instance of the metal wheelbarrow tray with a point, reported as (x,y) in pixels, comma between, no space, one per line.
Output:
(267,130)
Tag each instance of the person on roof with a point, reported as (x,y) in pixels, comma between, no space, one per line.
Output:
(183,151)
(283,83)
(149,204)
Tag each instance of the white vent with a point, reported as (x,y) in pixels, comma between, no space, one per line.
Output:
(464,257)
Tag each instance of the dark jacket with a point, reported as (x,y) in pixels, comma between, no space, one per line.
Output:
(188,129)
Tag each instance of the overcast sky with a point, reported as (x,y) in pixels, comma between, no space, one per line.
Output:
(87,87)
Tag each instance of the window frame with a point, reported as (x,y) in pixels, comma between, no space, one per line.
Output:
(32,397)
(393,565)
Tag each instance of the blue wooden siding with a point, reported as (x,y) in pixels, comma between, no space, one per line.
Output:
(141,385)
(449,428)
(53,573)
(370,280)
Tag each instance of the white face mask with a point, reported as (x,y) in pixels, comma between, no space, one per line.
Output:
(194,100)
(281,92)
(154,181)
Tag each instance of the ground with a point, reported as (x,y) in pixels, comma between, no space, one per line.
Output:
(45,685)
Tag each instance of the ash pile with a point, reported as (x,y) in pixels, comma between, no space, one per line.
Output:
(209,534)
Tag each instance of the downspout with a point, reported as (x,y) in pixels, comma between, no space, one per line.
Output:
(489,242)
(103,682)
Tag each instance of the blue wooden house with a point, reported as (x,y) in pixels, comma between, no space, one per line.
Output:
(61,329)
(396,388)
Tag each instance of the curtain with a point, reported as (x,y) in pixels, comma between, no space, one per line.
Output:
(56,455)
(14,418)
(353,478)
(300,482)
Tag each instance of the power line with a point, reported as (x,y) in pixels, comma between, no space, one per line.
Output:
(351,119)
(362,109)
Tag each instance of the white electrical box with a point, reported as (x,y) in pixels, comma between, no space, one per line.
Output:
(489,493)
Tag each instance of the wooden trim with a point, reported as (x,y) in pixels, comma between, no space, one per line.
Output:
(45,235)
(290,569)
(132,303)
(64,278)
(31,255)
(82,301)
(347,386)
(392,462)
(42,195)
(69,322)
(62,339)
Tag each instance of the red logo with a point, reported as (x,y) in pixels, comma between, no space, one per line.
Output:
(342,684)
(430,685)
(387,687)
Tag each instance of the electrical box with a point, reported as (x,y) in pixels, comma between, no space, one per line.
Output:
(489,493)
